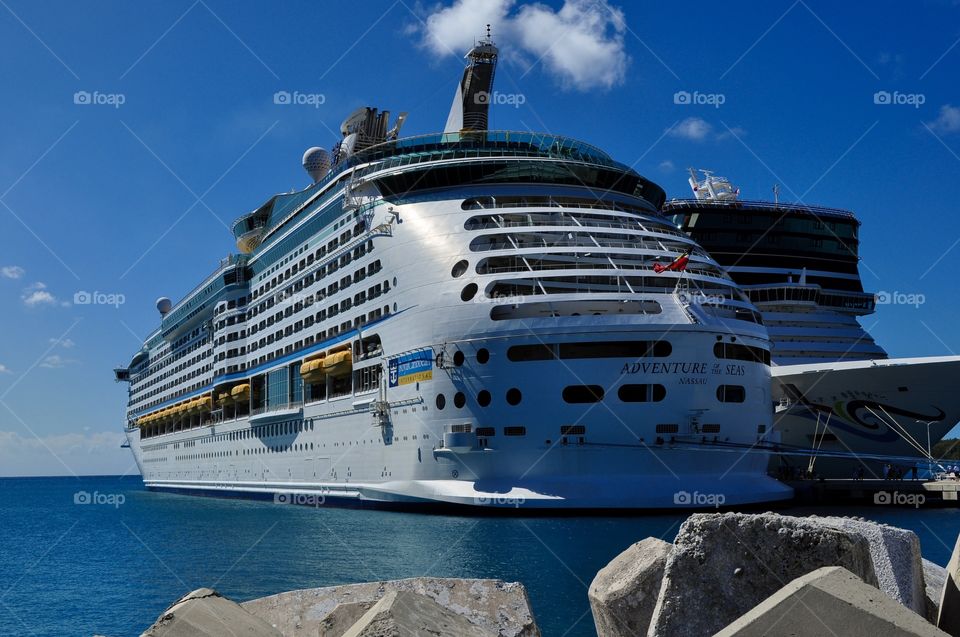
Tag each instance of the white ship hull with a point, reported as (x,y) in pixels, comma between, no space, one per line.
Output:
(873,413)
(335,452)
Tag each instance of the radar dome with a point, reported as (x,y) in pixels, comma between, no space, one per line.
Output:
(316,161)
(163,305)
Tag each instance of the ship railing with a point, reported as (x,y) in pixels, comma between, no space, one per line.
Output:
(276,406)
(748,204)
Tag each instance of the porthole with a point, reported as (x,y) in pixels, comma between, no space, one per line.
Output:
(583,393)
(394,281)
(459,268)
(514,396)
(483,398)
(483,355)
(459,399)
(441,401)
(458,358)
(469,291)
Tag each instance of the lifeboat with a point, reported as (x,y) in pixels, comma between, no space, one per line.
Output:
(241,393)
(206,403)
(193,407)
(338,363)
(312,371)
(224,398)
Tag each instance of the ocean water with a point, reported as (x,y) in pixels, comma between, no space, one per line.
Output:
(111,562)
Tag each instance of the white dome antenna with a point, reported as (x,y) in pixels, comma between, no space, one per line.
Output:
(164,305)
(316,161)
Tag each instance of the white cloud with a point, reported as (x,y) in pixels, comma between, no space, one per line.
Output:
(4,369)
(693,128)
(948,121)
(55,361)
(36,295)
(65,343)
(666,166)
(581,44)
(96,453)
(697,129)
(12,272)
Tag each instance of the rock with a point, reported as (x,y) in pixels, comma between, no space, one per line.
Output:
(624,592)
(500,607)
(934,576)
(204,612)
(404,613)
(342,617)
(896,559)
(830,601)
(700,593)
(948,617)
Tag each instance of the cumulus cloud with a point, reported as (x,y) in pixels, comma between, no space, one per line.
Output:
(581,44)
(37,295)
(666,166)
(12,272)
(65,343)
(693,128)
(90,453)
(948,121)
(55,361)
(4,369)
(697,129)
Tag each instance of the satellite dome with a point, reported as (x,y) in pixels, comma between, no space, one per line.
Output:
(163,305)
(316,161)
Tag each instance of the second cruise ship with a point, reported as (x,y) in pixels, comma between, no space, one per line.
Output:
(844,407)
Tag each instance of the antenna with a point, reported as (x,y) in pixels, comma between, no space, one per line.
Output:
(776,194)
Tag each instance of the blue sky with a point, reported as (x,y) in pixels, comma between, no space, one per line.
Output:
(128,193)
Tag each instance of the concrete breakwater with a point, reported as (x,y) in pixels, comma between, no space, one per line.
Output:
(724,574)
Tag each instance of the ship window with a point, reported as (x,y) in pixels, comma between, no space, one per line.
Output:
(668,429)
(483,398)
(514,396)
(486,432)
(514,431)
(459,399)
(736,351)
(458,358)
(441,401)
(731,393)
(469,291)
(459,268)
(535,352)
(483,355)
(642,393)
(573,430)
(583,393)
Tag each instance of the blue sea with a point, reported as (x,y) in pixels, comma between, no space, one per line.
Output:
(84,556)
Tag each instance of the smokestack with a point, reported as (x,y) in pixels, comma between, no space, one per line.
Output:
(471,103)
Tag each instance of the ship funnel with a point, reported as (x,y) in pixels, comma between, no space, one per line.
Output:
(471,102)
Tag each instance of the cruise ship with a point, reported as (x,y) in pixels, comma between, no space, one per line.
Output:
(471,318)
(844,407)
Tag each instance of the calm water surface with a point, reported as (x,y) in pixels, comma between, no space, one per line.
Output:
(111,568)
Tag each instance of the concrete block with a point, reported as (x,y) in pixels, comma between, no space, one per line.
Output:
(204,613)
(624,592)
(722,565)
(830,601)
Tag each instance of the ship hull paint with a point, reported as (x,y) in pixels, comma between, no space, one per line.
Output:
(903,390)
